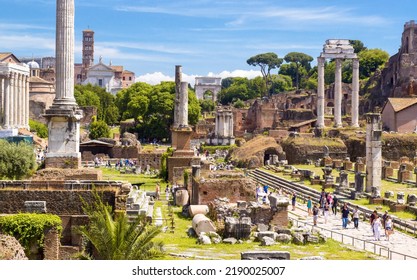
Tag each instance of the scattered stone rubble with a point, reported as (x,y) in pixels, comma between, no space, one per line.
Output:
(10,248)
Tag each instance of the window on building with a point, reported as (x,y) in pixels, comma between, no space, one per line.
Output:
(124,78)
(130,78)
(100,82)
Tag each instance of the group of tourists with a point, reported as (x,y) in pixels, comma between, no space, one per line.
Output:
(381,223)
(329,201)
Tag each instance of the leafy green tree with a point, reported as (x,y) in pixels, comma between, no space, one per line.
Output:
(16,160)
(300,60)
(114,238)
(239,104)
(281,83)
(370,60)
(357,45)
(99,129)
(207,105)
(89,95)
(267,62)
(38,127)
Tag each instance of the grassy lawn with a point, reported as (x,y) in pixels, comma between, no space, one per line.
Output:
(148,181)
(179,243)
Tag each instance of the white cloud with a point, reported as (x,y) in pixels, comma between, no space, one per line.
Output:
(157,77)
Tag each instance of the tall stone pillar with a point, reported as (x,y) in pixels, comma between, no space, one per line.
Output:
(355,93)
(6,102)
(183,105)
(338,94)
(19,100)
(64,115)
(373,153)
(12,100)
(320,92)
(27,101)
(178,80)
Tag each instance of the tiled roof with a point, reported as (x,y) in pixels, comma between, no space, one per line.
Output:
(117,68)
(4,55)
(400,104)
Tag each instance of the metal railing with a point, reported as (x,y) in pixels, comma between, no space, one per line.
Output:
(365,245)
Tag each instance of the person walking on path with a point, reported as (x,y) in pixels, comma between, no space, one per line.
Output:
(309,206)
(372,219)
(315,214)
(355,217)
(384,218)
(326,212)
(157,191)
(377,228)
(167,191)
(293,200)
(335,205)
(389,228)
(345,216)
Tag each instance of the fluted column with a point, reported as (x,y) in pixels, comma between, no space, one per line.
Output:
(216,124)
(320,92)
(19,107)
(338,94)
(1,101)
(6,102)
(355,93)
(12,97)
(65,53)
(27,103)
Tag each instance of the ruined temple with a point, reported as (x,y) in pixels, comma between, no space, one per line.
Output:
(398,78)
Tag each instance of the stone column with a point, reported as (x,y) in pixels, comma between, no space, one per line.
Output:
(6,102)
(216,124)
(373,153)
(19,100)
(27,104)
(338,94)
(355,93)
(320,92)
(1,101)
(12,100)
(65,53)
(178,80)
(183,105)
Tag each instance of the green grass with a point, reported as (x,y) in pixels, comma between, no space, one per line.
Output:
(179,243)
(115,175)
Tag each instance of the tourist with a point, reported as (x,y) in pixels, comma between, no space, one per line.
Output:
(323,201)
(372,219)
(315,214)
(293,200)
(326,212)
(309,206)
(355,217)
(330,200)
(384,218)
(335,205)
(389,227)
(265,192)
(345,216)
(376,225)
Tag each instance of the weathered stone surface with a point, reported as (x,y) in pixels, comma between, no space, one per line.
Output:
(298,238)
(265,255)
(267,241)
(269,234)
(230,240)
(204,239)
(202,224)
(10,248)
(283,238)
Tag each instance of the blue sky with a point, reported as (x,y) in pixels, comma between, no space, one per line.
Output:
(206,37)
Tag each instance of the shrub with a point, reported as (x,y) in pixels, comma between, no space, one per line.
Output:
(39,128)
(99,129)
(16,160)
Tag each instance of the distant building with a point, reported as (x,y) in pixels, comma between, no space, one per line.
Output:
(14,95)
(207,87)
(400,115)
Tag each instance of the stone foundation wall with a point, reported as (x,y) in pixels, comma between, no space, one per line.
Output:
(235,189)
(130,152)
(63,162)
(59,202)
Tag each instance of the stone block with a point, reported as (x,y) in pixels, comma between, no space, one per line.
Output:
(265,255)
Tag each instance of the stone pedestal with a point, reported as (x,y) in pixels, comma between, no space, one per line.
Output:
(64,138)
(347,165)
(376,200)
(387,172)
(359,167)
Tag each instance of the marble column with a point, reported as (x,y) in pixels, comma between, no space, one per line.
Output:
(19,108)
(178,80)
(11,103)
(355,93)
(320,92)
(183,105)
(338,94)
(1,101)
(65,53)
(6,102)
(373,153)
(27,101)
